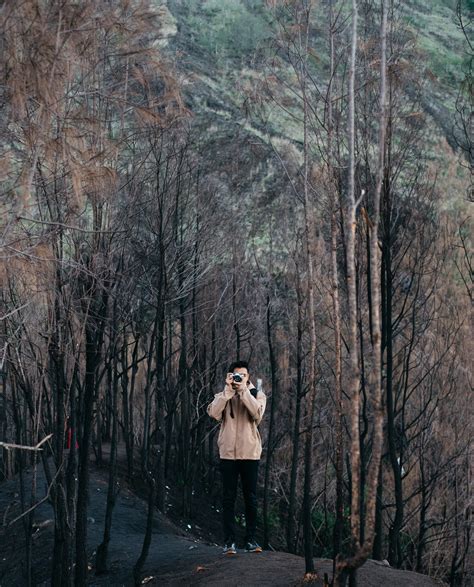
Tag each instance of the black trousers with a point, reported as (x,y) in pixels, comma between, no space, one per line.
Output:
(248,472)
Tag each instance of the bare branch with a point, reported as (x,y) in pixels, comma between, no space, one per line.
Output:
(8,445)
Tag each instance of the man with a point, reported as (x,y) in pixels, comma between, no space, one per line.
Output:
(239,408)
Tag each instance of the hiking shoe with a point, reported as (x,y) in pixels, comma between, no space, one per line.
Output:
(252,546)
(229,549)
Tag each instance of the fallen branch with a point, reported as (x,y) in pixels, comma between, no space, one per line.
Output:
(45,498)
(8,445)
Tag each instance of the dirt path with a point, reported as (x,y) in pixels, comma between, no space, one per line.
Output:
(279,569)
(175,558)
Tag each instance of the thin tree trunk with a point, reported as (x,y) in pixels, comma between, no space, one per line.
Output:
(376,358)
(137,569)
(160,409)
(71,478)
(309,237)
(268,462)
(290,532)
(131,429)
(339,523)
(361,553)
(84,445)
(377,553)
(234,305)
(351,207)
(396,526)
(339,460)
(422,523)
(125,406)
(145,449)
(102,550)
(94,330)
(61,574)
(184,452)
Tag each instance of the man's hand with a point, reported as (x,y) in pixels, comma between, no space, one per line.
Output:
(229,391)
(239,387)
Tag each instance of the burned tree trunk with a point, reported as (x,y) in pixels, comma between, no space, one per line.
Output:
(290,530)
(94,331)
(270,440)
(360,552)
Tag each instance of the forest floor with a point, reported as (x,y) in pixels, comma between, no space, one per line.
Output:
(176,557)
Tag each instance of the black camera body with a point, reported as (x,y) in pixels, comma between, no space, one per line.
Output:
(237,377)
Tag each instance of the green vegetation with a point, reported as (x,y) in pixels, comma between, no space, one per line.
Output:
(323,522)
(439,37)
(228,29)
(235,36)
(233,30)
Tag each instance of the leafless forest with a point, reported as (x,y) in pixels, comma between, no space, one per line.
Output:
(137,262)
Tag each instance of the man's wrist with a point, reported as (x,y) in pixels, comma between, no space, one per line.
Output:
(228,392)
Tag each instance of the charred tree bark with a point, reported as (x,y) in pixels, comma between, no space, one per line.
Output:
(342,572)
(238,342)
(137,569)
(290,530)
(160,408)
(377,552)
(396,526)
(339,522)
(309,221)
(62,559)
(130,434)
(268,462)
(94,331)
(334,193)
(145,448)
(360,551)
(102,549)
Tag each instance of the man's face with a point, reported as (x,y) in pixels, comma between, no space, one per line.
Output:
(245,376)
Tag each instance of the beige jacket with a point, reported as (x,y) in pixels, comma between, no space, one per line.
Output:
(238,436)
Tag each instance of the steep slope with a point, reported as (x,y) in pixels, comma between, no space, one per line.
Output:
(220,46)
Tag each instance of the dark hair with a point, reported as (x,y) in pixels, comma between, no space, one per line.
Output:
(238,365)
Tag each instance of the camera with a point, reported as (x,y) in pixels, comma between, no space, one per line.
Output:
(237,377)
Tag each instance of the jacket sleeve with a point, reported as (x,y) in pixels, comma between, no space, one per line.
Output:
(255,406)
(217,407)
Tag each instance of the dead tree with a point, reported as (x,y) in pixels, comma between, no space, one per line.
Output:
(361,551)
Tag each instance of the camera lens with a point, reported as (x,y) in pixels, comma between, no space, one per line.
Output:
(237,377)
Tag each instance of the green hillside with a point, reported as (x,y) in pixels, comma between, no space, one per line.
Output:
(224,46)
